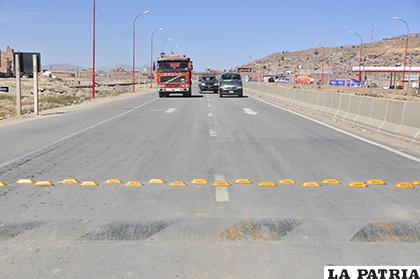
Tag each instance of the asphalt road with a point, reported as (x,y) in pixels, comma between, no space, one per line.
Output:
(198,231)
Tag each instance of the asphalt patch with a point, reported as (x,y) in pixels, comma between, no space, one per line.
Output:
(126,231)
(389,232)
(11,230)
(264,229)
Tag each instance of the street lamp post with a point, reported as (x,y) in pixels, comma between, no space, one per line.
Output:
(406,48)
(360,55)
(151,55)
(162,49)
(134,48)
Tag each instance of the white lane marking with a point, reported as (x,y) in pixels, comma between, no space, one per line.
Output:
(78,133)
(250,111)
(210,114)
(221,193)
(209,106)
(212,133)
(390,149)
(170,110)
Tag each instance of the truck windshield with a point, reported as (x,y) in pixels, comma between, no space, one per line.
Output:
(172,66)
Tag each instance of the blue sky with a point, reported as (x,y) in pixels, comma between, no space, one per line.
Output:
(215,33)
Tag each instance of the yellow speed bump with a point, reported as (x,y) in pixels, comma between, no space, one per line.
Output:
(177,184)
(416,182)
(156,181)
(199,181)
(403,185)
(70,181)
(267,184)
(89,183)
(43,183)
(243,181)
(357,184)
(133,184)
(287,181)
(3,184)
(25,181)
(310,184)
(330,181)
(375,182)
(113,181)
(221,184)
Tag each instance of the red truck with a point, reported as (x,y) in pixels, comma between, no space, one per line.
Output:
(173,74)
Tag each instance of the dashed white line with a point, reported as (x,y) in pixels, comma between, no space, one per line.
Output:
(221,193)
(210,114)
(250,111)
(170,110)
(212,133)
(209,106)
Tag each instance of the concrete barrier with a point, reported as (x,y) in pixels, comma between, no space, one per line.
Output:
(392,117)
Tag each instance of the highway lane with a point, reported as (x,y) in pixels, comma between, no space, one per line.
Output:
(242,231)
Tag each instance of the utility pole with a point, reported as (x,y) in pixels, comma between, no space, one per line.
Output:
(93,48)
(18,86)
(35,78)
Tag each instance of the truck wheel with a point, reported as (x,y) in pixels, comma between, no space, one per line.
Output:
(215,91)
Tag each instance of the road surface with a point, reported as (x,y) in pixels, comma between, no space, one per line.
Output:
(198,231)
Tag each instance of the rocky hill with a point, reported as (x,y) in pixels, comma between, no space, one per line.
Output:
(387,52)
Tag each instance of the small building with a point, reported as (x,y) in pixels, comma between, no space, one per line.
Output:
(6,62)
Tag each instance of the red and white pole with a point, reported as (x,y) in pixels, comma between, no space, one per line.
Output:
(93,48)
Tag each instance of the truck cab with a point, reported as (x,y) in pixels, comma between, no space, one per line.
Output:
(173,75)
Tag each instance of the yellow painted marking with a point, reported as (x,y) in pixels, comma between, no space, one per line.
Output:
(375,182)
(3,184)
(330,181)
(416,182)
(267,184)
(25,181)
(88,183)
(45,183)
(199,181)
(70,181)
(133,184)
(178,184)
(310,184)
(221,184)
(357,184)
(113,181)
(156,181)
(403,185)
(287,181)
(243,181)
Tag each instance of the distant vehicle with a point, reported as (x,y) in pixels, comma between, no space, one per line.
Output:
(173,75)
(209,83)
(230,84)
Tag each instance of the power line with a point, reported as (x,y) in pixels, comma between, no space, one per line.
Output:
(67,6)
